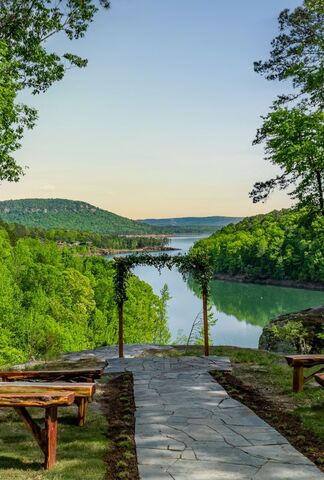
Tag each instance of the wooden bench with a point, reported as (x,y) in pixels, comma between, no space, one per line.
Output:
(319,377)
(48,399)
(80,375)
(299,362)
(83,392)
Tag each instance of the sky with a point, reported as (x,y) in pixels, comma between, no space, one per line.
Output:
(161,122)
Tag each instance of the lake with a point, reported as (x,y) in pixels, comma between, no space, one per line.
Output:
(241,310)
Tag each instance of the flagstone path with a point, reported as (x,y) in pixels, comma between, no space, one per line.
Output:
(188,428)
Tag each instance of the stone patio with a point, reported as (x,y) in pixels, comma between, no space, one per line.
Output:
(188,428)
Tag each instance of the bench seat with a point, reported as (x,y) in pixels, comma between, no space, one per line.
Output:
(299,362)
(36,399)
(83,392)
(80,375)
(84,389)
(49,400)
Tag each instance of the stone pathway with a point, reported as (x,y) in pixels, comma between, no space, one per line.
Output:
(188,428)
(108,352)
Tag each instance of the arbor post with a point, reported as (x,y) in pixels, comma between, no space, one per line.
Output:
(121,329)
(205,318)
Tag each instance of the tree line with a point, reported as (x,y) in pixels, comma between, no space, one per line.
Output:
(53,301)
(88,239)
(287,244)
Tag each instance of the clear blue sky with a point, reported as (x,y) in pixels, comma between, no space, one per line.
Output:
(162,120)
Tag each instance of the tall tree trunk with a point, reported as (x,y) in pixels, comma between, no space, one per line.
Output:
(320,190)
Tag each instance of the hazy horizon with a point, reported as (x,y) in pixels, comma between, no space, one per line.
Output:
(161,122)
(142,218)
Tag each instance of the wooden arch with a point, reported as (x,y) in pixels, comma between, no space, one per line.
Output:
(196,264)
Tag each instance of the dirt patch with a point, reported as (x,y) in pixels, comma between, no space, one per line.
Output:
(277,414)
(118,406)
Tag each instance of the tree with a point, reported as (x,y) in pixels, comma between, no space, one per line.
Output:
(162,332)
(297,54)
(294,140)
(26,62)
(294,137)
(14,117)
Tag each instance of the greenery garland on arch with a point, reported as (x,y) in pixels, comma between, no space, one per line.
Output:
(195,263)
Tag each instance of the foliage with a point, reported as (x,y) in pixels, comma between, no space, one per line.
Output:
(297,54)
(26,62)
(280,245)
(294,140)
(292,332)
(196,263)
(163,316)
(52,301)
(68,215)
(14,117)
(294,137)
(321,334)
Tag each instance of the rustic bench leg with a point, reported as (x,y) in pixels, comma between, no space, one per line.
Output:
(45,437)
(298,380)
(49,434)
(82,410)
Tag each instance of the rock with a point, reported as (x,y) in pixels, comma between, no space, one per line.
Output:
(312,321)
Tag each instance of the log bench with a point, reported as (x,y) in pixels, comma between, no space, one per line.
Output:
(299,362)
(80,375)
(47,399)
(83,392)
(319,377)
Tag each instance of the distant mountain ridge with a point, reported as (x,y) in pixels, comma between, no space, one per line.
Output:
(57,213)
(212,221)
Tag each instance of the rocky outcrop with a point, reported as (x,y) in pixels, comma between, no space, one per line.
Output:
(297,332)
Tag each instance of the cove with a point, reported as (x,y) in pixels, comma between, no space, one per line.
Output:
(241,309)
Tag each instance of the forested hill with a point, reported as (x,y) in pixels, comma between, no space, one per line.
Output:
(284,245)
(69,215)
(215,221)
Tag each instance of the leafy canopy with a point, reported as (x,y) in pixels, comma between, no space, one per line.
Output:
(27,62)
(294,138)
(280,245)
(54,301)
(14,117)
(26,25)
(297,54)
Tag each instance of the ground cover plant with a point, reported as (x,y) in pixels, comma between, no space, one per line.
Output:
(263,381)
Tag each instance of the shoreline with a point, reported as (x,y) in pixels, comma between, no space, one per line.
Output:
(270,281)
(103,252)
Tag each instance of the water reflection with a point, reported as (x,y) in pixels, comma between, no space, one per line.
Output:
(257,304)
(241,309)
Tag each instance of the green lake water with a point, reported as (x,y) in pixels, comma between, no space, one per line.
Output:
(242,310)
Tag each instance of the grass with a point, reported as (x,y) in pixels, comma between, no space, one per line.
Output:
(270,374)
(80,454)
